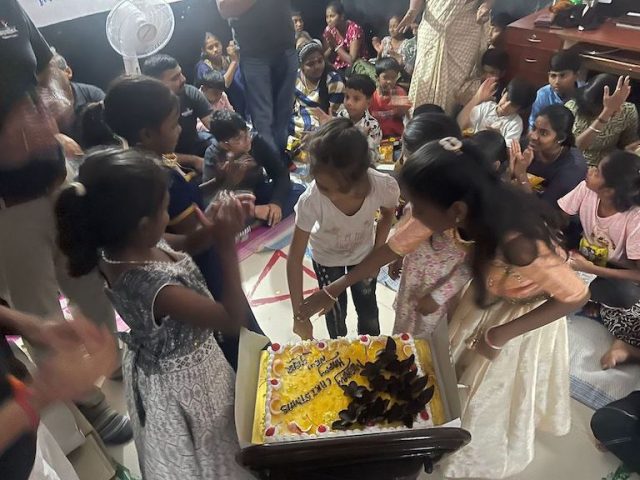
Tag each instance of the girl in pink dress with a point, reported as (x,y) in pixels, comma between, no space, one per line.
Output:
(344,41)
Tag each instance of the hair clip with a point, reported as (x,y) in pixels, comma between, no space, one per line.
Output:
(451,144)
(79,188)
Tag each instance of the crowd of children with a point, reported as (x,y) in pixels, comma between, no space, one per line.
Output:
(175,172)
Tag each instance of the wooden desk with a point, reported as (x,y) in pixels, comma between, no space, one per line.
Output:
(530,48)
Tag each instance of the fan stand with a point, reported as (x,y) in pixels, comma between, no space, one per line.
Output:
(131,65)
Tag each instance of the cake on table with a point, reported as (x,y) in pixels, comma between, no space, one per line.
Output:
(349,386)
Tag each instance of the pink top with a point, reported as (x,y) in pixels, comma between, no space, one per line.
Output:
(619,234)
(548,274)
(354,32)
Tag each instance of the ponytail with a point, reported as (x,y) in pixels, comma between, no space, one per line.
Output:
(102,210)
(76,234)
(94,130)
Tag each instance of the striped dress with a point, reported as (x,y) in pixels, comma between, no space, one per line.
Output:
(303,120)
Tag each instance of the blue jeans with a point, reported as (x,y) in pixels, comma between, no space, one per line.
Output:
(270,86)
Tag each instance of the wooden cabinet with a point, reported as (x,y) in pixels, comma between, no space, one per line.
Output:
(530,50)
(608,49)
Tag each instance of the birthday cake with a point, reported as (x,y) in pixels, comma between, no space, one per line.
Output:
(330,388)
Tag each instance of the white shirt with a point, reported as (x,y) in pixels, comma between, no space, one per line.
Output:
(485,117)
(337,239)
(371,128)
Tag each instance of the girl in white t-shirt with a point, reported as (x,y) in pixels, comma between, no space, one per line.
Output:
(336,216)
(608,204)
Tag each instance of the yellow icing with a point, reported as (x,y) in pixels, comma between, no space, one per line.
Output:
(309,374)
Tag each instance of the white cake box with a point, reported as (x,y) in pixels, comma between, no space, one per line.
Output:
(252,344)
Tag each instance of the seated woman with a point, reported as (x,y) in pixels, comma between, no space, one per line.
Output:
(319,91)
(551,156)
(608,204)
(242,160)
(344,41)
(393,44)
(605,120)
(214,57)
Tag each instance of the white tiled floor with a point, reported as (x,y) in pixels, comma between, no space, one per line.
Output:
(572,457)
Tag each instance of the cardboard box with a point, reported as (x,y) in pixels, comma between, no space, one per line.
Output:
(252,344)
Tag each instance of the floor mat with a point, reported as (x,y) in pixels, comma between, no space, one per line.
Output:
(590,385)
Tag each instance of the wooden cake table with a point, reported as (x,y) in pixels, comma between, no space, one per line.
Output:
(385,456)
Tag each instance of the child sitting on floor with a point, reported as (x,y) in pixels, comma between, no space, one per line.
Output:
(359,90)
(563,78)
(483,113)
(337,217)
(242,160)
(493,64)
(389,104)
(608,204)
(391,45)
(213,87)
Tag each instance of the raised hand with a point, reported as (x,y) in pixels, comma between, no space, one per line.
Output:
(232,51)
(377,45)
(483,14)
(612,103)
(487,90)
(521,160)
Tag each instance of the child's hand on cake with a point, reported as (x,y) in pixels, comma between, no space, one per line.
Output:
(302,327)
(319,302)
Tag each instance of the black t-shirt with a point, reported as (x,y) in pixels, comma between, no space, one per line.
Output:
(23,54)
(16,461)
(561,176)
(265,30)
(193,105)
(268,167)
(83,93)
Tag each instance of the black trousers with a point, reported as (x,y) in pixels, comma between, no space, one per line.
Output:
(364,299)
(617,427)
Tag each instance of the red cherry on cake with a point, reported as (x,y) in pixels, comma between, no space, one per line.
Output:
(405,337)
(322,429)
(321,345)
(270,432)
(424,415)
(275,347)
(364,338)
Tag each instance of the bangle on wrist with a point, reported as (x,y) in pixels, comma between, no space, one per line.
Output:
(590,127)
(23,396)
(337,48)
(328,294)
(486,340)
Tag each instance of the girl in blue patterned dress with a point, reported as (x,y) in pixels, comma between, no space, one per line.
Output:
(179,388)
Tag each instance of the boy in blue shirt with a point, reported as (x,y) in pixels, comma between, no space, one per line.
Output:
(563,78)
